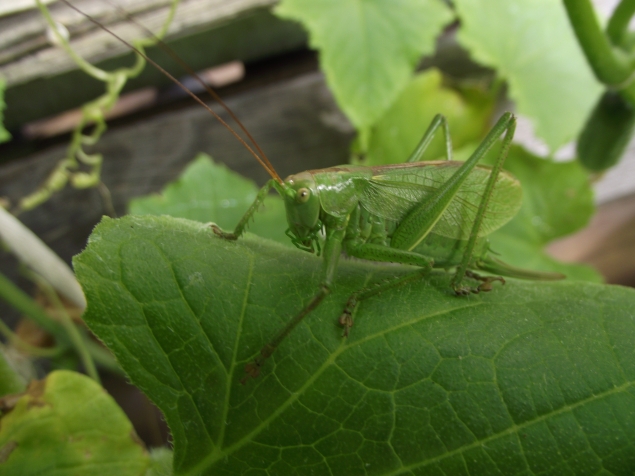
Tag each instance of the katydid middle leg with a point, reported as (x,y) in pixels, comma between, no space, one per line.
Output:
(367,238)
(336,231)
(438,121)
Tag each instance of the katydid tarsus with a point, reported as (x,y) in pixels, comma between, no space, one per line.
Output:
(432,214)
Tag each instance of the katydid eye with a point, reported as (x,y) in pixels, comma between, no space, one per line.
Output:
(303,195)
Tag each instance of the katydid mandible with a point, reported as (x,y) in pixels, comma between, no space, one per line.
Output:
(434,214)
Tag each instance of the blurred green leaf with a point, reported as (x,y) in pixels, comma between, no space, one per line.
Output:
(533,377)
(68,425)
(557,201)
(161,460)
(393,138)
(606,133)
(531,45)
(4,134)
(209,192)
(10,380)
(369,48)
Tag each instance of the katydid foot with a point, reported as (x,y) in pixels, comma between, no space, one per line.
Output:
(252,369)
(485,286)
(226,236)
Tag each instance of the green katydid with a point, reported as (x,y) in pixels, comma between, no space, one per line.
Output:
(434,214)
(424,214)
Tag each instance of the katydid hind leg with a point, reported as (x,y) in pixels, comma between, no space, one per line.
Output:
(506,125)
(486,281)
(422,218)
(438,121)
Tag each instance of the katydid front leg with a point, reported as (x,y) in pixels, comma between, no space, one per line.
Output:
(244,221)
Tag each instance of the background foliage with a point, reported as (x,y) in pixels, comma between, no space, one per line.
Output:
(533,377)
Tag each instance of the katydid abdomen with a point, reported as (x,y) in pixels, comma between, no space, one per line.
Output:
(447,252)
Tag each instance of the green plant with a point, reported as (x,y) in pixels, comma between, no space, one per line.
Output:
(610,54)
(80,168)
(531,378)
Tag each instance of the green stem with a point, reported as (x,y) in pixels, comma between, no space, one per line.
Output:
(81,62)
(23,303)
(618,24)
(103,357)
(610,65)
(77,338)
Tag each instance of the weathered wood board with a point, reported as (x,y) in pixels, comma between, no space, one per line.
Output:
(42,79)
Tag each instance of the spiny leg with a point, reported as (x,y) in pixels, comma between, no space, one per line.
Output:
(421,219)
(486,281)
(252,369)
(244,221)
(506,124)
(438,121)
(375,252)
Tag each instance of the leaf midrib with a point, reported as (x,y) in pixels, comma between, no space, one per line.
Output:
(344,345)
(243,312)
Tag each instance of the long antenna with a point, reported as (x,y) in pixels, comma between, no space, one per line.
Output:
(186,67)
(264,161)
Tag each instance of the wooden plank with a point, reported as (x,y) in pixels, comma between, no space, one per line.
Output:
(15,6)
(43,80)
(27,54)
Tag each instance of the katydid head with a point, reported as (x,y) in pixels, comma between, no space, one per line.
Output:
(302,203)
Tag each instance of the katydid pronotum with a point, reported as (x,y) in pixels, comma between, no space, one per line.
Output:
(433,214)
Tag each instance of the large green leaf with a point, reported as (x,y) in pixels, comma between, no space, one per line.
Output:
(209,192)
(368,48)
(68,425)
(530,43)
(393,138)
(530,378)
